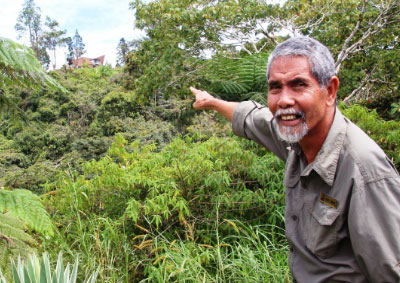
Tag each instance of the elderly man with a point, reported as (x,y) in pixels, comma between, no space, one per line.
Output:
(342,193)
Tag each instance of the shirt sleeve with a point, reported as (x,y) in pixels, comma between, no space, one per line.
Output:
(374,227)
(254,121)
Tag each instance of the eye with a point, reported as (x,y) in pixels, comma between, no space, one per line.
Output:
(274,87)
(299,84)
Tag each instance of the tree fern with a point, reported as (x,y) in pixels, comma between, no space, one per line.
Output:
(26,206)
(14,241)
(20,67)
(240,79)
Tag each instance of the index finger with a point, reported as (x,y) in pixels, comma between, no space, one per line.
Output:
(194,90)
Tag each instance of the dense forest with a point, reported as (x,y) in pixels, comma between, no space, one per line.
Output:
(112,168)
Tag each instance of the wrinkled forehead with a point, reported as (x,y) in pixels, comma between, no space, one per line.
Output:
(288,59)
(289,66)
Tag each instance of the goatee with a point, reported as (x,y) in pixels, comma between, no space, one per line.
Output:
(290,134)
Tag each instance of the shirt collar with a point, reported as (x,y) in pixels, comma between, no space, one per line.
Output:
(326,161)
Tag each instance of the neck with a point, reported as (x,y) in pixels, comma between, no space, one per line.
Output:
(312,143)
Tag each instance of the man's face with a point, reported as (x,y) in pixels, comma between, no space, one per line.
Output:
(296,99)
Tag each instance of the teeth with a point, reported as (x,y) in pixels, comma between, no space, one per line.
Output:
(288,117)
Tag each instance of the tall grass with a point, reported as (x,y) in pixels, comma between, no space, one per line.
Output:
(248,256)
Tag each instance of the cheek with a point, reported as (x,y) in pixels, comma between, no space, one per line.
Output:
(272,102)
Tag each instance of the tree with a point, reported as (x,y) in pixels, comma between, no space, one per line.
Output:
(70,53)
(78,46)
(363,36)
(181,35)
(122,52)
(28,22)
(53,37)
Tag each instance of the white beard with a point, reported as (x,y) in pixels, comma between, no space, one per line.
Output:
(290,134)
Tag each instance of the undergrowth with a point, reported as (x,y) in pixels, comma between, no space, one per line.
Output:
(130,208)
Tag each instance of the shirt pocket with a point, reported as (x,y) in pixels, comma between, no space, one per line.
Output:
(321,235)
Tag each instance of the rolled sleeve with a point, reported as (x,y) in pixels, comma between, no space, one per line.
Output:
(239,117)
(374,227)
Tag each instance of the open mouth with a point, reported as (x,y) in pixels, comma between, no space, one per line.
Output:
(289,115)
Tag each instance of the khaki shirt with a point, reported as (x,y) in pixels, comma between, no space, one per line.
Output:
(342,212)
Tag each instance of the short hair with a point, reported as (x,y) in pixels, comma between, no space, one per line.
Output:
(319,57)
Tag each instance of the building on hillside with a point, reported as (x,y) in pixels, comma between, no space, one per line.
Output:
(91,62)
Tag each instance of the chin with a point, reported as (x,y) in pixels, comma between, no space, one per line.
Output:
(291,134)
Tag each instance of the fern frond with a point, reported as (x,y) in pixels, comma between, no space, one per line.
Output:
(26,206)
(238,79)
(14,241)
(260,97)
(19,66)
(14,228)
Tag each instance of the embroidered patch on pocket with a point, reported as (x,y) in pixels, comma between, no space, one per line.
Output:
(328,200)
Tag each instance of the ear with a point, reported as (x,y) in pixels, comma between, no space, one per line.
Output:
(332,89)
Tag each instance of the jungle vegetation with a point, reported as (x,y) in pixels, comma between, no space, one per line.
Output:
(114,169)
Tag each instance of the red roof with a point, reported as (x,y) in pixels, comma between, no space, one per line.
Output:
(93,62)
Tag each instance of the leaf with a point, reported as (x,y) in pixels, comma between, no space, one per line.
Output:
(26,206)
(19,66)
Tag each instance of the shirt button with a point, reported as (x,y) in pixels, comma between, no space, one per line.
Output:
(294,217)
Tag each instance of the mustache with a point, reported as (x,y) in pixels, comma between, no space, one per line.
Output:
(289,111)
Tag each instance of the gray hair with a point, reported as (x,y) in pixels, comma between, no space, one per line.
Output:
(319,57)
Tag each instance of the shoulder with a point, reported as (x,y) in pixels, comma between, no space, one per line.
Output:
(370,160)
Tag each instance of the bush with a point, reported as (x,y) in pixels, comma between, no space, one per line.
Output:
(181,193)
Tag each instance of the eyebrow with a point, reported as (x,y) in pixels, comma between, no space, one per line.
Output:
(273,84)
(295,81)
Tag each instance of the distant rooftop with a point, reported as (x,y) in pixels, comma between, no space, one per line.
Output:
(92,62)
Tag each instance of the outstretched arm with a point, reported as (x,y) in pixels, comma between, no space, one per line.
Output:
(205,101)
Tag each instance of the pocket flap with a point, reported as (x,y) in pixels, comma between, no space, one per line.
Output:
(325,215)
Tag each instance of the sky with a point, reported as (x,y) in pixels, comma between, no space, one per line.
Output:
(100,23)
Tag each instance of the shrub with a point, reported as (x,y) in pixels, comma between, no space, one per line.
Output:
(135,196)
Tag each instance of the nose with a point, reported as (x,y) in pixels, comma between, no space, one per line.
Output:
(286,99)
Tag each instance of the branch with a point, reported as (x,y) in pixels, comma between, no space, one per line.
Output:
(361,86)
(381,21)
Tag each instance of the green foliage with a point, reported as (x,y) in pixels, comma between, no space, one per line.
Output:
(78,46)
(252,257)
(385,105)
(21,212)
(29,23)
(395,111)
(181,34)
(35,271)
(14,241)
(240,79)
(363,37)
(117,103)
(19,66)
(179,192)
(26,206)
(53,37)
